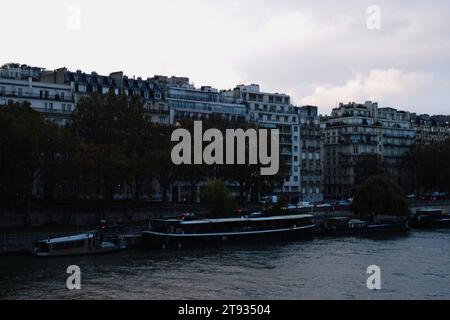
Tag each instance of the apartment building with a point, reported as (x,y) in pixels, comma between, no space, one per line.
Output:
(431,129)
(310,154)
(187,101)
(82,84)
(20,83)
(274,111)
(355,130)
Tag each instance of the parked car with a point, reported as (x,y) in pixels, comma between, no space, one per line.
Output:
(430,196)
(187,216)
(343,204)
(411,196)
(443,196)
(269,200)
(324,206)
(305,204)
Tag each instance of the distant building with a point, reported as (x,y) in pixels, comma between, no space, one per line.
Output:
(354,130)
(20,71)
(431,129)
(274,111)
(310,154)
(188,102)
(21,84)
(156,108)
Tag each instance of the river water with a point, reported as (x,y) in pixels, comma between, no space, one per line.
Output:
(412,266)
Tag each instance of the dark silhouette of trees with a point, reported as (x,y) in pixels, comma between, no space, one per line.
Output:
(218,198)
(28,149)
(431,167)
(380,195)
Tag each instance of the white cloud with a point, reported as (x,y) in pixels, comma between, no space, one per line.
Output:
(392,87)
(307,48)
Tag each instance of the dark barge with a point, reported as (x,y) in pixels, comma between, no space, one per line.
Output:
(430,218)
(177,233)
(346,226)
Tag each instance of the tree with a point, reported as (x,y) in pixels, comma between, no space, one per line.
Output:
(368,165)
(380,195)
(27,145)
(114,132)
(218,198)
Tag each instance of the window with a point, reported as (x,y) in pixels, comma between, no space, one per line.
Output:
(2,90)
(19,92)
(62,95)
(63,107)
(355,150)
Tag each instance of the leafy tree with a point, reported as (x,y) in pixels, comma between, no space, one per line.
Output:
(368,165)
(114,132)
(27,144)
(380,195)
(218,198)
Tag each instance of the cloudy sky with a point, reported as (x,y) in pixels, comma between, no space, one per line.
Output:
(319,52)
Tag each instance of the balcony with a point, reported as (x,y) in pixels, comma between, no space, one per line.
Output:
(26,95)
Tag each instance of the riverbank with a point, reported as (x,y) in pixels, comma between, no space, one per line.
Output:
(21,240)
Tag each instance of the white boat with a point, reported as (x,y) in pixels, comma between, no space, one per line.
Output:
(85,243)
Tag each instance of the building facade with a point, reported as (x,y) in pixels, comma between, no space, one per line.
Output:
(355,130)
(155,106)
(431,129)
(311,154)
(21,84)
(274,111)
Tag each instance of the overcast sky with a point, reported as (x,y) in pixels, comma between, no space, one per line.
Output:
(319,52)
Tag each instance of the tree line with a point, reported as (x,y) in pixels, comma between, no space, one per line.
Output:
(427,169)
(107,147)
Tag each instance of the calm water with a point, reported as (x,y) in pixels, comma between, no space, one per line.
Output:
(414,266)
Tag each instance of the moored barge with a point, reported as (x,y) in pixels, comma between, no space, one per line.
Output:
(430,218)
(344,226)
(177,233)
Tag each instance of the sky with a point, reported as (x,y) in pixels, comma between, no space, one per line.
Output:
(321,52)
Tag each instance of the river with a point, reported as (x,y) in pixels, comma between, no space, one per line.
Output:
(412,266)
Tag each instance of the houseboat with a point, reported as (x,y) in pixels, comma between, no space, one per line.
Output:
(177,233)
(430,218)
(86,243)
(343,226)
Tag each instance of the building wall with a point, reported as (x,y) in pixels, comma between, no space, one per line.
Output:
(354,130)
(311,155)
(56,102)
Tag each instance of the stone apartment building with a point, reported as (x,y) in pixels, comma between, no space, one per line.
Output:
(311,154)
(355,130)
